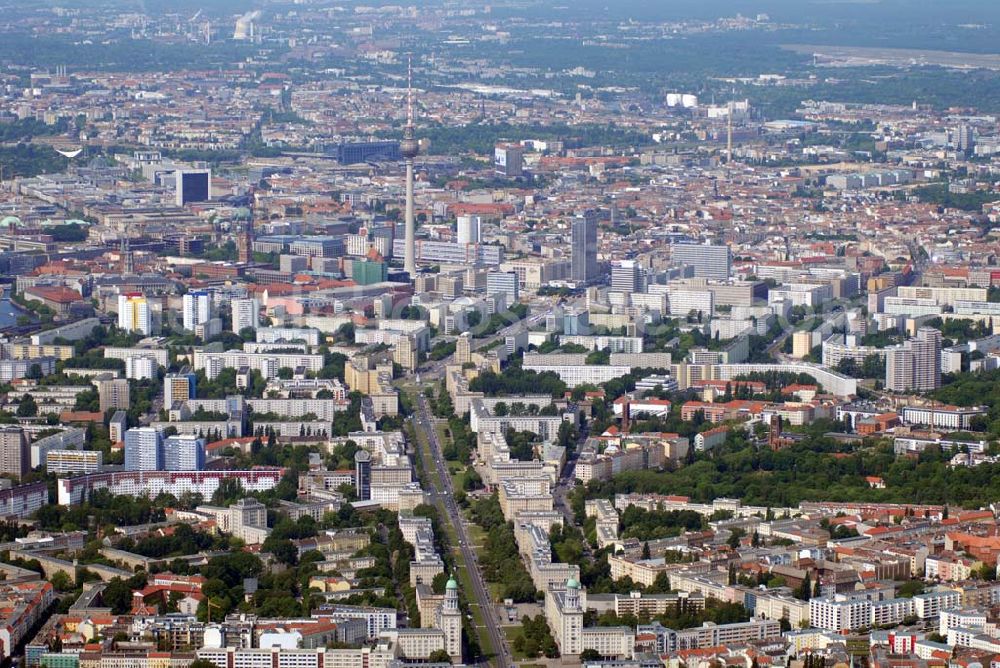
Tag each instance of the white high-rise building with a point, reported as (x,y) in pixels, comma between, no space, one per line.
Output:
(469,229)
(197,309)
(926,349)
(245,314)
(706,261)
(143,451)
(915,365)
(628,276)
(134,314)
(502,282)
(583,250)
(183,452)
(141,368)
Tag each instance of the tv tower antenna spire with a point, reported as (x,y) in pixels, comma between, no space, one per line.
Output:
(409,92)
(410,148)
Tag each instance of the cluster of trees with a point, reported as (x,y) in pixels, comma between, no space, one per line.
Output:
(515,380)
(815,468)
(342,456)
(442,406)
(960,330)
(461,440)
(441,350)
(224,581)
(940,195)
(535,638)
(184,540)
(103,509)
(117,595)
(480,138)
(881,339)
(873,366)
(669,337)
(499,559)
(599,357)
(29,160)
(981,388)
(521,444)
(682,617)
(283,532)
(68,233)
(518,408)
(498,321)
(568,544)
(654,524)
(347,421)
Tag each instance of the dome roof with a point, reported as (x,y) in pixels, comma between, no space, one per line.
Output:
(451,584)
(7,221)
(572,583)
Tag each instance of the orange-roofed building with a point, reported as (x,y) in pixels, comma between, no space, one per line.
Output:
(57,297)
(983,548)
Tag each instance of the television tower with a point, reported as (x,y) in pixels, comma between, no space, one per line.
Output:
(729,133)
(409,147)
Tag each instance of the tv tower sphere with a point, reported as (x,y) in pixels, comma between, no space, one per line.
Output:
(409,146)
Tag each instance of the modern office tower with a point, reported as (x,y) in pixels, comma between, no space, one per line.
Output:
(965,139)
(197,309)
(706,261)
(449,620)
(469,229)
(505,282)
(113,393)
(363,474)
(628,276)
(583,267)
(193,185)
(405,354)
(183,452)
(143,450)
(178,388)
(245,314)
(508,160)
(15,459)
(926,350)
(410,148)
(134,313)
(141,368)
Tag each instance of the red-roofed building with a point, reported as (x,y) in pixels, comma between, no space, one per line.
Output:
(56,297)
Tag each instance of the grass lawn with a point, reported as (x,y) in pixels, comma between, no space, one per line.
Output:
(513,632)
